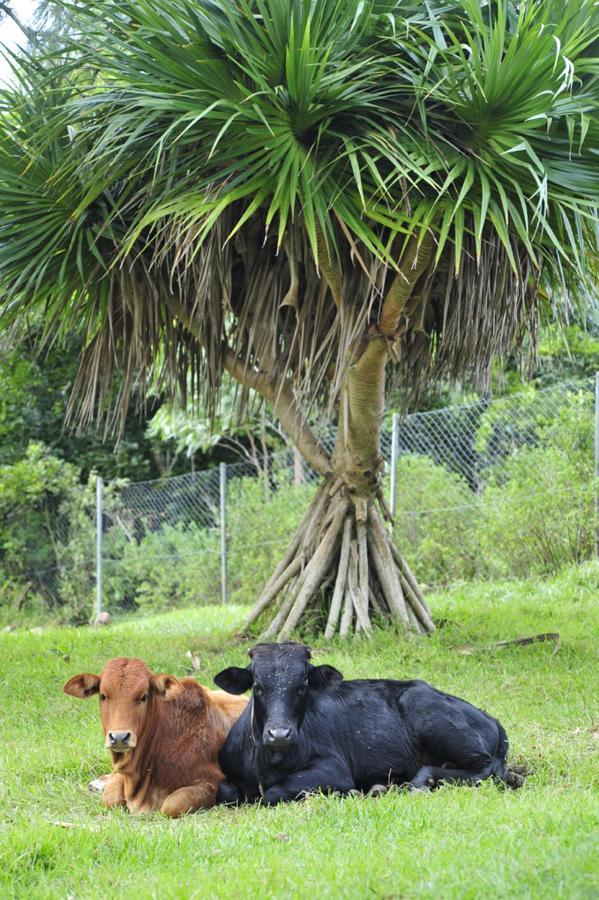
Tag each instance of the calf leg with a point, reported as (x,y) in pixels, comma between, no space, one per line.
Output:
(462,744)
(431,776)
(188,799)
(328,779)
(227,794)
(98,784)
(114,792)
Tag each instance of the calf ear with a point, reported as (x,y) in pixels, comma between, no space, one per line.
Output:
(167,686)
(323,676)
(234,680)
(82,686)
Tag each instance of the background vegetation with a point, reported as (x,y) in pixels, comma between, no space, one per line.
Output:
(530,513)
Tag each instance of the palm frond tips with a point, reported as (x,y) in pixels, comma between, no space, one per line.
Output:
(263,166)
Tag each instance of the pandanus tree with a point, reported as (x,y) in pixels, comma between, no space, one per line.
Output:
(319,198)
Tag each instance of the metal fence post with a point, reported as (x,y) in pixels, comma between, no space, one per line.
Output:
(99,537)
(597,464)
(223,532)
(394,450)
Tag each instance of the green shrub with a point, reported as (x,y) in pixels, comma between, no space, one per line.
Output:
(47,538)
(535,514)
(436,521)
(33,526)
(176,566)
(538,509)
(260,531)
(180,565)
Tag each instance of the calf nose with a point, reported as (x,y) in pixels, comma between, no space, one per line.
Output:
(119,738)
(279,734)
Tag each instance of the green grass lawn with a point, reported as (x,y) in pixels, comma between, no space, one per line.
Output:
(541,841)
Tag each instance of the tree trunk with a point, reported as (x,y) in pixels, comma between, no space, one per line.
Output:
(342,571)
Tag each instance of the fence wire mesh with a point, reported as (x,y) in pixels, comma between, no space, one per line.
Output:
(486,489)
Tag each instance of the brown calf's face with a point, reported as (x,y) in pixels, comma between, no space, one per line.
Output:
(127,691)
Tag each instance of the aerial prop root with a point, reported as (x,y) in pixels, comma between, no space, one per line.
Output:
(341,554)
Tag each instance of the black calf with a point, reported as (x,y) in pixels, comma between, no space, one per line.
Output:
(307,729)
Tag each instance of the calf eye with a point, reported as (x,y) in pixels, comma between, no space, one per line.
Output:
(143,699)
(102,696)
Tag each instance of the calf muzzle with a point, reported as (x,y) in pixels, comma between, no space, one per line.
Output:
(120,741)
(279,736)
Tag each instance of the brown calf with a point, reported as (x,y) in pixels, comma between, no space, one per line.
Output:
(163,734)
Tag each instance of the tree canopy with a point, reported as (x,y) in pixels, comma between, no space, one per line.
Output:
(193,187)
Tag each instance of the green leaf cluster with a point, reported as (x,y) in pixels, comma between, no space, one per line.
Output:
(218,152)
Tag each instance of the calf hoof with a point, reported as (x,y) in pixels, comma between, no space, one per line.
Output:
(422,783)
(421,788)
(227,795)
(516,776)
(176,806)
(98,785)
(425,779)
(377,790)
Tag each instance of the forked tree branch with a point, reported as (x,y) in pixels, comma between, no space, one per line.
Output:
(280,395)
(364,392)
(415,260)
(414,263)
(283,401)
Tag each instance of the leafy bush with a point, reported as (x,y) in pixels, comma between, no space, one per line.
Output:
(33,526)
(47,537)
(176,566)
(535,514)
(180,564)
(538,510)
(35,389)
(436,521)
(260,532)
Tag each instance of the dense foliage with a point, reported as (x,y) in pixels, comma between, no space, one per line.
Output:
(34,393)
(538,511)
(180,172)
(46,532)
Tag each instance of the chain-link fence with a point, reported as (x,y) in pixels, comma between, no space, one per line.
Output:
(486,489)
(483,490)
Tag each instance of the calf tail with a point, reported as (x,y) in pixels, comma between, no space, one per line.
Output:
(499,770)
